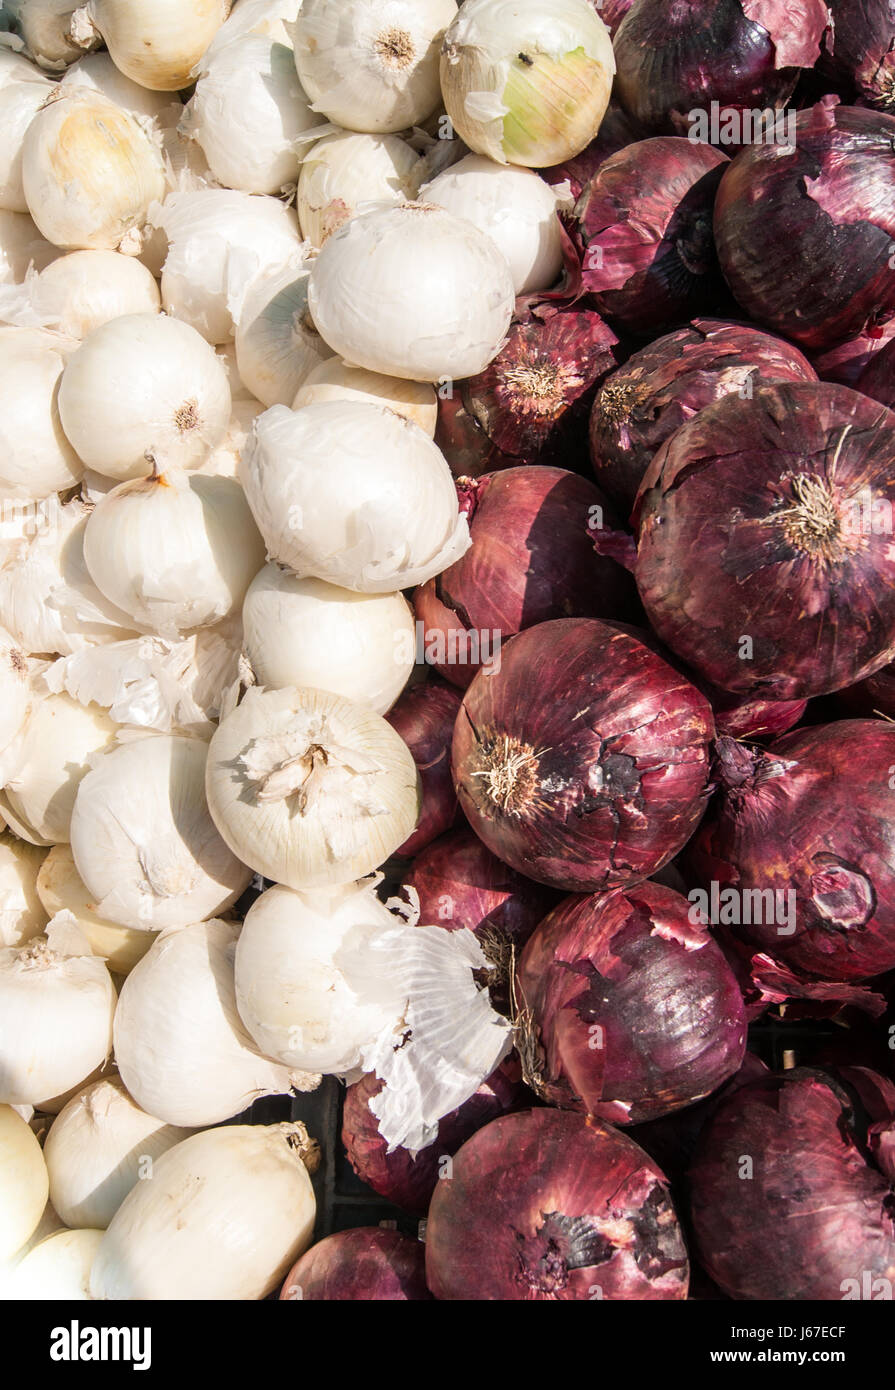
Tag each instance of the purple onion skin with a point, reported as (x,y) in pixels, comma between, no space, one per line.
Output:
(875,695)
(804,234)
(859,52)
(582,763)
(738,717)
(674,58)
(634,1010)
(644,222)
(845,362)
(424,717)
(813,814)
(812,1212)
(465,445)
(406,1181)
(532,559)
(461,884)
(878,378)
(366,1263)
(664,385)
(546,1205)
(759,559)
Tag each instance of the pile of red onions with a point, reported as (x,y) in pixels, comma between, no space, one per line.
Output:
(583,761)
(860,50)
(791,1185)
(548,1205)
(804,234)
(811,816)
(406,1179)
(363,1264)
(664,385)
(630,1009)
(532,558)
(424,717)
(644,222)
(764,559)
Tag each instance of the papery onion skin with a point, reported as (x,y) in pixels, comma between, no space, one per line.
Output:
(803,233)
(810,816)
(399,1176)
(859,50)
(739,53)
(364,1263)
(877,380)
(844,362)
(664,385)
(816,1222)
(532,559)
(547,1205)
(744,717)
(582,763)
(424,716)
(763,556)
(630,1007)
(645,224)
(346,169)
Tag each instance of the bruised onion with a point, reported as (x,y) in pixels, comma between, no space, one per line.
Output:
(582,762)
(804,233)
(532,559)
(548,1205)
(645,223)
(802,833)
(365,1263)
(629,1009)
(406,1179)
(664,385)
(860,50)
(788,1203)
(765,556)
(424,717)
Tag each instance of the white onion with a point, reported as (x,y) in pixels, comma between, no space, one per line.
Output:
(45,25)
(372,65)
(219,241)
(19,104)
(335,380)
(56,1007)
(21,246)
(24,1183)
(98,73)
(527,81)
(100,1145)
(341,172)
(354,494)
(182,1050)
(225,1216)
(310,789)
(144,385)
(291,989)
(90,172)
(514,207)
(224,461)
(414,292)
(269,17)
(48,761)
(58,1268)
(247,113)
(277,344)
(80,292)
(36,458)
(15,689)
(61,889)
(308,632)
(156,43)
(22,914)
(15,67)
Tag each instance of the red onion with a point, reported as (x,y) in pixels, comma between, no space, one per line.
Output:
(532,558)
(463,442)
(582,763)
(761,560)
(804,234)
(546,1205)
(664,385)
(811,818)
(616,131)
(844,362)
(875,695)
(424,717)
(402,1178)
(861,50)
(674,59)
(788,1204)
(366,1263)
(630,1008)
(645,225)
(751,717)
(878,378)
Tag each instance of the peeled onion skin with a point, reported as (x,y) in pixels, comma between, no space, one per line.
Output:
(545,1205)
(366,1263)
(755,561)
(424,717)
(629,1010)
(582,763)
(810,1212)
(812,814)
